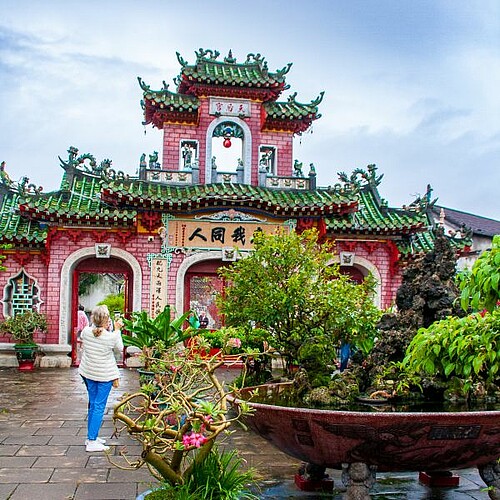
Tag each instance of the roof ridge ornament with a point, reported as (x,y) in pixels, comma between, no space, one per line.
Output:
(4,176)
(143,85)
(103,170)
(359,175)
(230,59)
(318,99)
(22,187)
(422,203)
(282,72)
(181,60)
(257,58)
(201,55)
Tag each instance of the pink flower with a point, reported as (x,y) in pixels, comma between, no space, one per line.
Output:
(195,439)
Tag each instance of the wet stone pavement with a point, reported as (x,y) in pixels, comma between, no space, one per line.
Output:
(43,457)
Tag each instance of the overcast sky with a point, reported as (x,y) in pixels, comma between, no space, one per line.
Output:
(412,86)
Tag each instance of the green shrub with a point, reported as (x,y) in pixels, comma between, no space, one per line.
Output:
(464,348)
(115,303)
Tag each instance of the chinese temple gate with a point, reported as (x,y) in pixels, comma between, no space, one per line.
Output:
(171,227)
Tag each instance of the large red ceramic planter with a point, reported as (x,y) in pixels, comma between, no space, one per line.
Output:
(391,441)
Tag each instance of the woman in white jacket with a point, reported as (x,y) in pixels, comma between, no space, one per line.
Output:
(98,369)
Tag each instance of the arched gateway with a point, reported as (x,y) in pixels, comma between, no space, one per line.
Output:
(84,260)
(186,213)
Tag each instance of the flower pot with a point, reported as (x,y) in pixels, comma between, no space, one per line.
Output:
(26,356)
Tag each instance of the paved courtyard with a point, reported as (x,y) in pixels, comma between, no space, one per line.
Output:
(42,455)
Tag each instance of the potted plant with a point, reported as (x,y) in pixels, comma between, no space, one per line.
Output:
(206,342)
(177,419)
(147,331)
(22,328)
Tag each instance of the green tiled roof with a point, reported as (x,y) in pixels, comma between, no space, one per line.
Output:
(81,205)
(171,101)
(423,242)
(283,203)
(291,115)
(13,227)
(208,70)
(210,76)
(292,110)
(161,105)
(374,218)
(100,196)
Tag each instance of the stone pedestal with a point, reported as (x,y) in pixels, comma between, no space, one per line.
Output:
(359,479)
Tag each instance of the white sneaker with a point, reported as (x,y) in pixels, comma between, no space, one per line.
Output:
(98,439)
(96,446)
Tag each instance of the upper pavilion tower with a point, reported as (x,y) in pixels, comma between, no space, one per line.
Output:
(223,104)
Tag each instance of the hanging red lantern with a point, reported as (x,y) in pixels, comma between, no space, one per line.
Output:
(227,142)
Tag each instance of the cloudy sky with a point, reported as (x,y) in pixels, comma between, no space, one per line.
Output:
(411,86)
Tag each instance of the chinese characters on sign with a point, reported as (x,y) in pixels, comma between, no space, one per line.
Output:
(216,234)
(158,286)
(229,107)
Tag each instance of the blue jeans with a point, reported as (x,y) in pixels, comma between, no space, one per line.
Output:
(98,397)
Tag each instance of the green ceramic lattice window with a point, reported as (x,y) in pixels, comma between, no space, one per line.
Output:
(21,294)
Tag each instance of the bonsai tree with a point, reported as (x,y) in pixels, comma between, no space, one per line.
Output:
(177,419)
(23,326)
(290,288)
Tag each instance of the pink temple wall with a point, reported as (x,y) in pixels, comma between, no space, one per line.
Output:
(49,278)
(174,133)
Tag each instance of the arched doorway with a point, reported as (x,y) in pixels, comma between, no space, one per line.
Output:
(243,137)
(112,266)
(359,270)
(201,286)
(227,146)
(354,273)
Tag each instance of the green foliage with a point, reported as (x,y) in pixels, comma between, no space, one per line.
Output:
(214,338)
(218,477)
(233,340)
(86,281)
(464,353)
(289,288)
(458,348)
(23,326)
(147,330)
(115,303)
(480,287)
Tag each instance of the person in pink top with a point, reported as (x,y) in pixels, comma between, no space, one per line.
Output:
(82,320)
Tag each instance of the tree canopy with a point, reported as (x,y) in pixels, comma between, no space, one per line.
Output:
(291,286)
